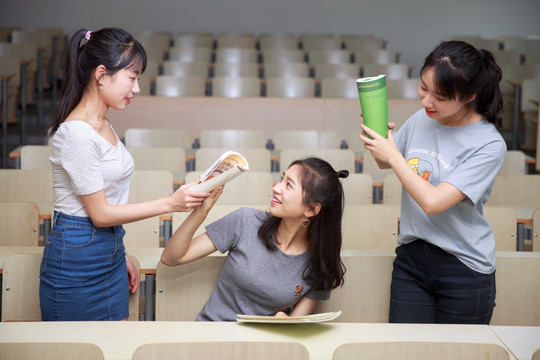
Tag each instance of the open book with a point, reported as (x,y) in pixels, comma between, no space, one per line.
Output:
(227,167)
(313,318)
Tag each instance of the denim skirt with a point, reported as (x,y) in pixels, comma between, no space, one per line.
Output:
(83,275)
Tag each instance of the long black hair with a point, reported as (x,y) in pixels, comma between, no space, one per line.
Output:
(113,48)
(320,184)
(461,70)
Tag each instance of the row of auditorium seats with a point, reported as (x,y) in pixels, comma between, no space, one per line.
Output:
(378,224)
(290,87)
(376,204)
(262,350)
(515,74)
(260,159)
(183,290)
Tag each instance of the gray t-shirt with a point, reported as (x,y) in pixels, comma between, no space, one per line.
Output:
(467,157)
(254,280)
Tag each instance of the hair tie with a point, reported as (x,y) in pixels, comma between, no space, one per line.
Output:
(342,173)
(87,36)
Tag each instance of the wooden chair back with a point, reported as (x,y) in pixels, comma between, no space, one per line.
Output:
(300,87)
(35,157)
(171,159)
(340,159)
(519,190)
(240,350)
(358,189)
(26,185)
(50,351)
(156,137)
(514,163)
(233,138)
(420,351)
(147,185)
(367,282)
(370,227)
(20,291)
(182,291)
(518,289)
(19,222)
(503,222)
(305,139)
(392,189)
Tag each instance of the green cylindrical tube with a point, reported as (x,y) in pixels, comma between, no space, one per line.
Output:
(374,103)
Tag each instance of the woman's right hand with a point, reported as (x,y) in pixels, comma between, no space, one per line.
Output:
(185,200)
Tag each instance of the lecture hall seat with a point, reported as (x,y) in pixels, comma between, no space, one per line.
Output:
(420,351)
(240,350)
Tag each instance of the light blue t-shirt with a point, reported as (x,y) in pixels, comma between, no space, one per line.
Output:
(254,280)
(467,157)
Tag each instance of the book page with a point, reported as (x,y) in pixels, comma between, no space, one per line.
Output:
(229,165)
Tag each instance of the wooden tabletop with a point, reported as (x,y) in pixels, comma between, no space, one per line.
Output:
(119,339)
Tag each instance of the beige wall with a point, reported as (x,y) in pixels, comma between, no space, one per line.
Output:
(412,27)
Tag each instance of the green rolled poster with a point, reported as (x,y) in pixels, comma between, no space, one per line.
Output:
(374,103)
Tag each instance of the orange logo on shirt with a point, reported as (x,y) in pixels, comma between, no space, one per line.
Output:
(298,291)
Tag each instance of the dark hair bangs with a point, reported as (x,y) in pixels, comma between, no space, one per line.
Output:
(446,83)
(133,58)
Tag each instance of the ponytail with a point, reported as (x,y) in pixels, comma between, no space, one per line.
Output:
(72,85)
(489,101)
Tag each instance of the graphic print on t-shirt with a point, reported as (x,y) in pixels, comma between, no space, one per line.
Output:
(422,168)
(298,291)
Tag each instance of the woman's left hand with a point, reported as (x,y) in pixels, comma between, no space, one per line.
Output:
(281,314)
(133,276)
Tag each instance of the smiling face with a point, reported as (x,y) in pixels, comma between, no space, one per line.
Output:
(288,196)
(120,88)
(447,111)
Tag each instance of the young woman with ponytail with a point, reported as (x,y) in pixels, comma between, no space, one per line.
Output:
(280,262)
(446,156)
(85,272)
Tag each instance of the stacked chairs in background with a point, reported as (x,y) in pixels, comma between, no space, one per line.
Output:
(273,65)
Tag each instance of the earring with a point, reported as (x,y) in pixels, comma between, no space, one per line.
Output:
(305,222)
(100,86)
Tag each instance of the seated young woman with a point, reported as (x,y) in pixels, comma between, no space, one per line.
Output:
(280,262)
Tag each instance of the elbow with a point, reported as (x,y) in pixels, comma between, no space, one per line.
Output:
(432,208)
(100,222)
(166,259)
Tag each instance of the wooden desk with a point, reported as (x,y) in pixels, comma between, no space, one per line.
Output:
(119,339)
(522,341)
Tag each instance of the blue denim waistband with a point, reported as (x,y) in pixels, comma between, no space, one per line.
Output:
(78,221)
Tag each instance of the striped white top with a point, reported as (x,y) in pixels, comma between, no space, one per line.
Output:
(83,163)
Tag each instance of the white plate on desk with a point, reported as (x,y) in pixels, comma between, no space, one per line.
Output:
(313,318)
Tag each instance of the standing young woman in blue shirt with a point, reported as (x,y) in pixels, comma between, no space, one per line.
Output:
(446,156)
